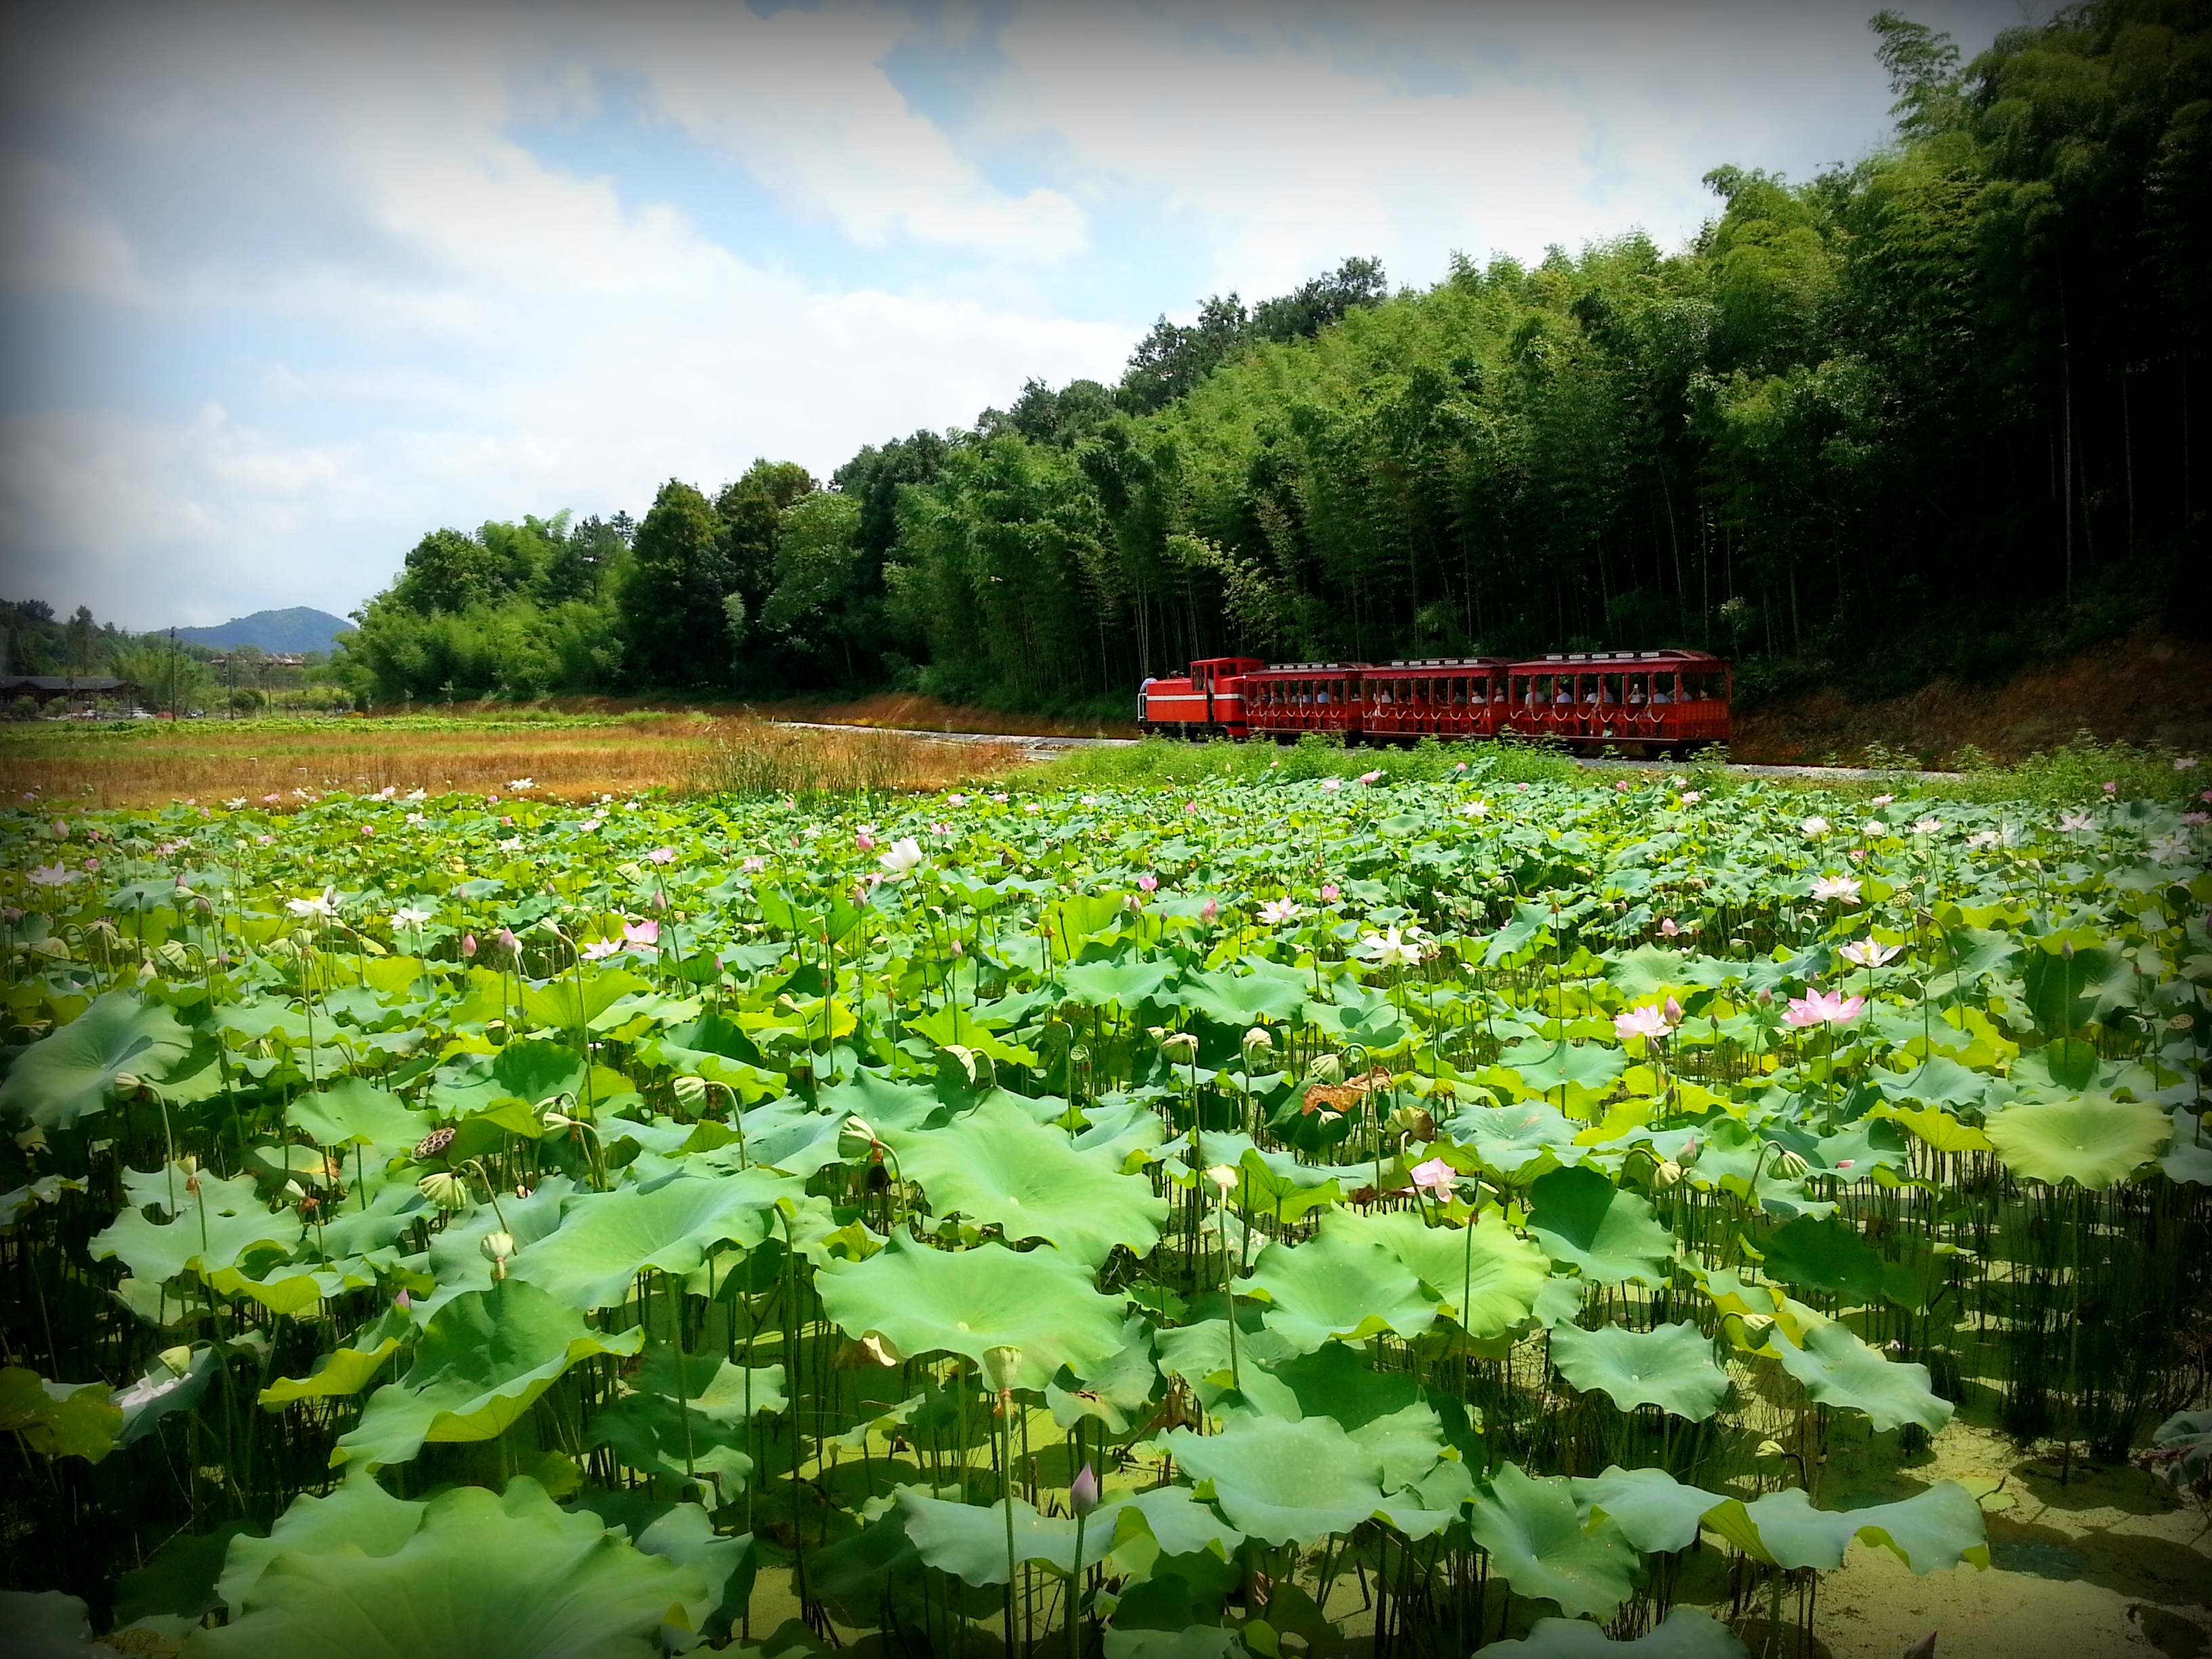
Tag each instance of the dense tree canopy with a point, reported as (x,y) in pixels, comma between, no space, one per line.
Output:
(1932,410)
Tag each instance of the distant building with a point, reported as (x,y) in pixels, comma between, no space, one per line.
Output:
(44,687)
(265,659)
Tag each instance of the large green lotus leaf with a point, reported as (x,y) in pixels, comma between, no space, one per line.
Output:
(563,1004)
(1282,1482)
(360,1515)
(968,1540)
(67,1075)
(922,1301)
(1115,1391)
(882,1102)
(1685,1633)
(1930,1530)
(1200,1353)
(1096,984)
(1274,1183)
(1486,1278)
(2069,990)
(1826,1255)
(1648,973)
(482,1576)
(457,1258)
(1194,1642)
(1508,1140)
(1611,1236)
(212,1228)
(356,1112)
(1941,1082)
(1178,1522)
(1839,1370)
(1240,1000)
(59,1419)
(2095,1140)
(1336,1287)
(606,1239)
(687,1416)
(1670,1366)
(1654,1510)
(2189,1158)
(484,1358)
(1538,1545)
(994,1165)
(1544,1067)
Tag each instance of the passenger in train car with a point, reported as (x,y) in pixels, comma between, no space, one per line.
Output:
(1659,682)
(1636,690)
(1563,693)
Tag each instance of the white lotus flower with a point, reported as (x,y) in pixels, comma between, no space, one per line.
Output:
(1869,952)
(324,905)
(1816,825)
(1275,912)
(1392,948)
(1475,809)
(2170,849)
(903,858)
(1928,827)
(409,915)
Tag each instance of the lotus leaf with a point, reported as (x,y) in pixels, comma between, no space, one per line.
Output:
(1585,1221)
(1826,1255)
(1670,1366)
(1654,1510)
(920,1300)
(1933,1530)
(1486,1278)
(1116,1391)
(483,1358)
(1282,1482)
(353,1111)
(213,1229)
(60,1420)
(606,1239)
(1531,1136)
(993,1165)
(1839,1370)
(1538,1545)
(1197,1642)
(968,1540)
(67,1075)
(1336,1287)
(2092,1141)
(164,1389)
(490,1576)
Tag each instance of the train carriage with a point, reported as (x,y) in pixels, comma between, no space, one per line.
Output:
(1638,702)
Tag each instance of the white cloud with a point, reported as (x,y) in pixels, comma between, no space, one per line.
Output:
(362,304)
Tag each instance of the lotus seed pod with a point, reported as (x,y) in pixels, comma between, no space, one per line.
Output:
(855,1138)
(434,1143)
(1790,1165)
(178,1359)
(445,1190)
(1223,1176)
(690,1092)
(1000,1366)
(1667,1174)
(1259,1045)
(1180,1047)
(1326,1068)
(496,1246)
(128,1083)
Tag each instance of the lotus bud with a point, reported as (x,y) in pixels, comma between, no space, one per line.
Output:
(1766,997)
(1667,1174)
(1688,1155)
(403,1302)
(1326,1068)
(468,944)
(1673,1011)
(1179,1048)
(445,1190)
(2066,949)
(1258,1048)
(1083,1490)
(293,1189)
(1000,1366)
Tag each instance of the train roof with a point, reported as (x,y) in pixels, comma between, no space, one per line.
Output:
(1619,659)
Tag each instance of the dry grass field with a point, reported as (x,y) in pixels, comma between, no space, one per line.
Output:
(147,763)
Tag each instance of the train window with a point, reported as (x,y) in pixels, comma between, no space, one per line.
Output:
(1420,691)
(1637,695)
(1662,688)
(1459,694)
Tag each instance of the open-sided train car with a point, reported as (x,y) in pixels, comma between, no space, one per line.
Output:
(1637,701)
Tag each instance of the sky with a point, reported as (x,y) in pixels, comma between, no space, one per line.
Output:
(284,286)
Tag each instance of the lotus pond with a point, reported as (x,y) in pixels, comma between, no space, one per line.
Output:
(1280,1218)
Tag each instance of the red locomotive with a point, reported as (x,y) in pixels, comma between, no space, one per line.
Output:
(1637,701)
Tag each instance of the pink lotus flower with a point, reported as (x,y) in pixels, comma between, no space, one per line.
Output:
(1370,777)
(1188,807)
(596,949)
(1209,910)
(2111,788)
(753,866)
(468,944)
(661,855)
(1649,1022)
(367,830)
(1668,928)
(1331,785)
(641,935)
(1823,1008)
(92,866)
(1328,893)
(1149,881)
(865,841)
(1275,912)
(272,800)
(1692,797)
(1435,1177)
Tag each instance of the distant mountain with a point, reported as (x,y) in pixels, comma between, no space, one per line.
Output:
(300,629)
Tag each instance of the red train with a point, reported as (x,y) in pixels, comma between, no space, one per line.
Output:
(1639,702)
